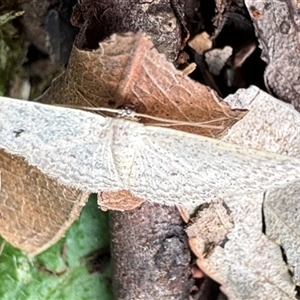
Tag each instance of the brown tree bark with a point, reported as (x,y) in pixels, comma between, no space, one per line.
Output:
(150,254)
(149,247)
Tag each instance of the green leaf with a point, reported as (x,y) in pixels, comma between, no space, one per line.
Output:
(76,268)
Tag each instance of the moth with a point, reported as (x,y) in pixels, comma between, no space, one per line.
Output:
(93,153)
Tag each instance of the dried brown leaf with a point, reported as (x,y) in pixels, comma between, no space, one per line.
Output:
(121,200)
(130,72)
(35,211)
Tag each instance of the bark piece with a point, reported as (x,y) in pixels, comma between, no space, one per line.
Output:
(277,28)
(211,224)
(216,59)
(159,18)
(201,43)
(144,261)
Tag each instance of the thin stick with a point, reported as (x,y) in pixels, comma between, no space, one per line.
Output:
(130,114)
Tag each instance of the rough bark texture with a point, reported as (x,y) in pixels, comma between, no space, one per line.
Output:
(150,254)
(277,28)
(96,21)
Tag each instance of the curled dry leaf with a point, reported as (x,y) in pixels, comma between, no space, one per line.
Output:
(122,200)
(35,210)
(130,72)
